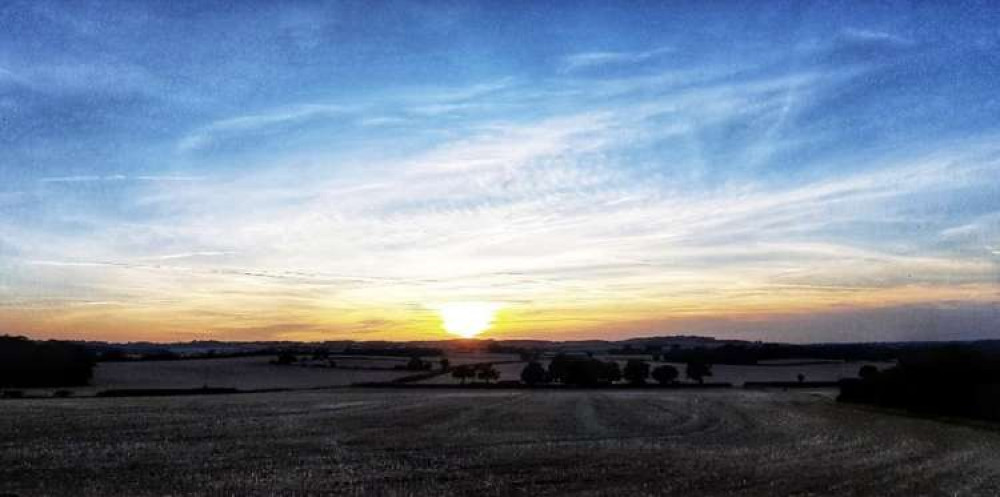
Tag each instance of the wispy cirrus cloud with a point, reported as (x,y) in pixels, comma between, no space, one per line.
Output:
(227,127)
(419,102)
(117,178)
(587,60)
(72,77)
(875,36)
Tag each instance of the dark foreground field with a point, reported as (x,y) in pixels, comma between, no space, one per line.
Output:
(414,442)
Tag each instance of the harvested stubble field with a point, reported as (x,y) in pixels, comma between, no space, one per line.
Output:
(459,442)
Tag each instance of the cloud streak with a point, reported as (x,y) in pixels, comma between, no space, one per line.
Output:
(587,60)
(117,178)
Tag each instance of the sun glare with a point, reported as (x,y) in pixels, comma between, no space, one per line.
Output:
(467,319)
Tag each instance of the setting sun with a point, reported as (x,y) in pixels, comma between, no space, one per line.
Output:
(467,319)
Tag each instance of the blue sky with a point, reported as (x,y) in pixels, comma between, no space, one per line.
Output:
(786,171)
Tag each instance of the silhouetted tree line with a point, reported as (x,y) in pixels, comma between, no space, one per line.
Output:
(588,371)
(285,359)
(753,353)
(25,363)
(953,380)
(416,364)
(500,348)
(121,355)
(393,351)
(583,371)
(130,353)
(483,372)
(629,349)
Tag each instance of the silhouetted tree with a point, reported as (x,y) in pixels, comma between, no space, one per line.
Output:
(463,372)
(487,373)
(698,370)
(559,368)
(636,371)
(445,364)
(534,373)
(611,372)
(576,370)
(801,377)
(665,374)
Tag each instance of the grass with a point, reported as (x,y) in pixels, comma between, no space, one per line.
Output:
(459,442)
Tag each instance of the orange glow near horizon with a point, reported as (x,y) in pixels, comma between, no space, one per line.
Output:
(566,319)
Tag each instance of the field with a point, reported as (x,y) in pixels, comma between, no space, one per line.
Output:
(247,373)
(256,372)
(462,442)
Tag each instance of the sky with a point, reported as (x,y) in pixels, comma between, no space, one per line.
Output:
(800,171)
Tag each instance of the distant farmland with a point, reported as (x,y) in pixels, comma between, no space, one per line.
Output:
(257,372)
(462,442)
(246,373)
